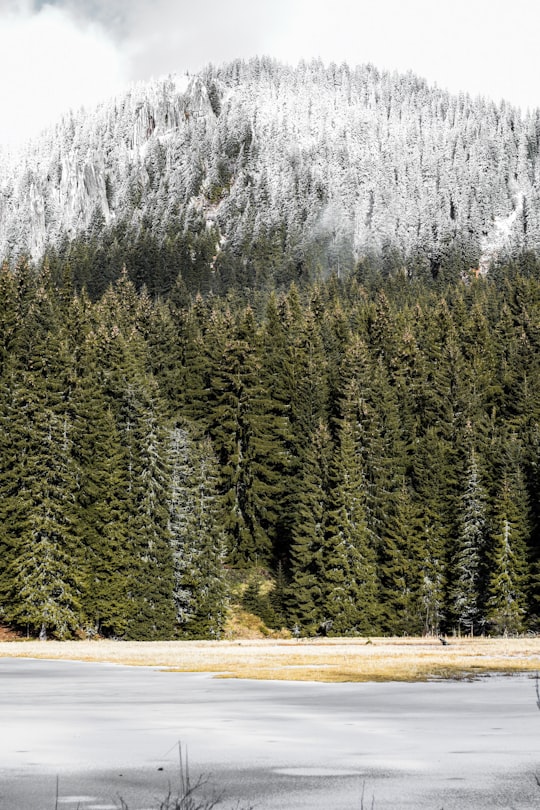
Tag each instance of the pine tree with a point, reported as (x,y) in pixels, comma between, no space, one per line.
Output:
(197,538)
(308,381)
(150,575)
(278,596)
(402,554)
(468,563)
(432,480)
(273,446)
(349,583)
(304,593)
(9,321)
(507,584)
(43,570)
(202,338)
(102,500)
(245,430)
(134,399)
(230,429)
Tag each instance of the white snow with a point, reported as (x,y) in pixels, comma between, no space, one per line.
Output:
(274,744)
(181,83)
(500,235)
(399,163)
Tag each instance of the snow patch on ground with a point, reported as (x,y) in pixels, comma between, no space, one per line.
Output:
(499,236)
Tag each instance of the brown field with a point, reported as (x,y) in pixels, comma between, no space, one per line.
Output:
(377,659)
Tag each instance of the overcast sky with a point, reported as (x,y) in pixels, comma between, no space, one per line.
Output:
(68,53)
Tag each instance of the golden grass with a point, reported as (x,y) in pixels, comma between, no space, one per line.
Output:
(241,624)
(381,659)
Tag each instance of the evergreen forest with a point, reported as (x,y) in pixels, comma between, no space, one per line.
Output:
(370,440)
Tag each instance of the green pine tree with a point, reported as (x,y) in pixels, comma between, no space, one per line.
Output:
(102,500)
(150,576)
(506,604)
(349,584)
(42,573)
(197,538)
(303,598)
(467,583)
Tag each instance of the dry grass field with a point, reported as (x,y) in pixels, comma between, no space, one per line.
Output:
(359,659)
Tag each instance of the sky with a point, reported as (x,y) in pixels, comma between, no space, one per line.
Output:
(64,54)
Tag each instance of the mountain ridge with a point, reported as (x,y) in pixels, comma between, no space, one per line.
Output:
(335,163)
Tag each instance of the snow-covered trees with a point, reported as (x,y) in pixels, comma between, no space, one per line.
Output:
(341,162)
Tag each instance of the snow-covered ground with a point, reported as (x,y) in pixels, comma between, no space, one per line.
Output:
(108,731)
(500,235)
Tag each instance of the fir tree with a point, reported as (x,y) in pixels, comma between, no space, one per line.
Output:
(468,562)
(303,598)
(102,501)
(507,584)
(349,583)
(402,554)
(43,571)
(197,538)
(9,321)
(150,575)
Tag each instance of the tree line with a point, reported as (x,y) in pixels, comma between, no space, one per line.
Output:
(371,442)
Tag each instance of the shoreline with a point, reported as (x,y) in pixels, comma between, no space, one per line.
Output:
(323,660)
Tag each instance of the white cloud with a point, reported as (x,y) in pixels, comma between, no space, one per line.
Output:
(484,47)
(166,36)
(50,63)
(63,53)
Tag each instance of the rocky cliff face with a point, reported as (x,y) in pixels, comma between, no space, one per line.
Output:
(352,160)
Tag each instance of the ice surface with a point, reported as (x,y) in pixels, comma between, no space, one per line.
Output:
(108,731)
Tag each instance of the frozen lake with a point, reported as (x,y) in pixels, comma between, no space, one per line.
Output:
(107,731)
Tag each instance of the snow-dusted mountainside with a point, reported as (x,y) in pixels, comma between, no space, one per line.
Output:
(350,160)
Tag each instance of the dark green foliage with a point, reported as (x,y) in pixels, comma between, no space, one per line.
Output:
(232,430)
(350,598)
(101,497)
(44,567)
(197,537)
(150,577)
(304,595)
(468,563)
(506,606)
(373,446)
(254,600)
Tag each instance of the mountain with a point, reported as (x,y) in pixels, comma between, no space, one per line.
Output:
(353,455)
(308,169)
